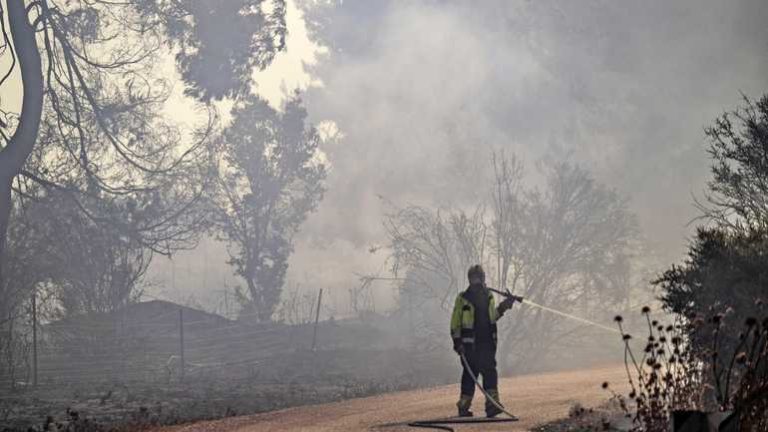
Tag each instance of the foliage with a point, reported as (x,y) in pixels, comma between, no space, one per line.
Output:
(718,262)
(726,260)
(270,178)
(94,91)
(723,278)
(220,42)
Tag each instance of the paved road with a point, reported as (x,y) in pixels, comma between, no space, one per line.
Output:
(536,399)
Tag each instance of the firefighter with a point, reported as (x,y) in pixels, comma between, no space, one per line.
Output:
(474,334)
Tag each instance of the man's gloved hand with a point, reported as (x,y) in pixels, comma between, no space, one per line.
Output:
(507,303)
(458,347)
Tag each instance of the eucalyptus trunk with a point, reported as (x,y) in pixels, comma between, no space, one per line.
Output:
(15,153)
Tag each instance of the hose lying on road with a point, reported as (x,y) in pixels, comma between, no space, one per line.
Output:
(439,424)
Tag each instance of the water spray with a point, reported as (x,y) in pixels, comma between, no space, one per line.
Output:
(573,317)
(525,301)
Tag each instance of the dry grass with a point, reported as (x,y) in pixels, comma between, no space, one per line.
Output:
(677,372)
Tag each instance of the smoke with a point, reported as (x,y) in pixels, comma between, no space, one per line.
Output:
(424,91)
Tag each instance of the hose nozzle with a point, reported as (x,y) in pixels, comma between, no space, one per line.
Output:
(508,294)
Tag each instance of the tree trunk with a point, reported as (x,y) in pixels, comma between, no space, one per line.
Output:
(18,148)
(253,291)
(5,213)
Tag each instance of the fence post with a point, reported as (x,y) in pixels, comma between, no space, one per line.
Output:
(317,318)
(34,337)
(181,341)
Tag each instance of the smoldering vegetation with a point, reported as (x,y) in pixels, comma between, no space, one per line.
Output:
(159,363)
(557,145)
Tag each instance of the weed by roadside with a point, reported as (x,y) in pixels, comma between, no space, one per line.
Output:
(676,371)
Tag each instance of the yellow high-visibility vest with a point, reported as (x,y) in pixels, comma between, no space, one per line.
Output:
(463,319)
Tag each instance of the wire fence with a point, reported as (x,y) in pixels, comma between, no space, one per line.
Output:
(172,346)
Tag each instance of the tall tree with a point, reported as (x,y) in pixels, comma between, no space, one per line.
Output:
(93,94)
(573,244)
(567,245)
(726,267)
(271,178)
(17,147)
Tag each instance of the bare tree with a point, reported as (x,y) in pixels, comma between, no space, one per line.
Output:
(567,246)
(429,242)
(430,253)
(573,246)
(737,196)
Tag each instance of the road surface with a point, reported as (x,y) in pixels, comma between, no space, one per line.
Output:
(536,399)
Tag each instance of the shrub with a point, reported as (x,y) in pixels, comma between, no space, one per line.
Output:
(674,373)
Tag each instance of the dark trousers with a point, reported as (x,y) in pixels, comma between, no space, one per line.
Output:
(483,364)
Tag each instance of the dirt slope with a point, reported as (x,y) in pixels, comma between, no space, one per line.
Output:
(536,399)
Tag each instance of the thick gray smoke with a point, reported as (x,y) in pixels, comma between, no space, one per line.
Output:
(424,91)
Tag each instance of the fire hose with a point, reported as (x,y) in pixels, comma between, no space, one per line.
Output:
(440,423)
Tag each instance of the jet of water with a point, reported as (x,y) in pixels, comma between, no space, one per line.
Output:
(573,317)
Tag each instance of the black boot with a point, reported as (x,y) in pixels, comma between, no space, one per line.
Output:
(492,411)
(465,413)
(465,401)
